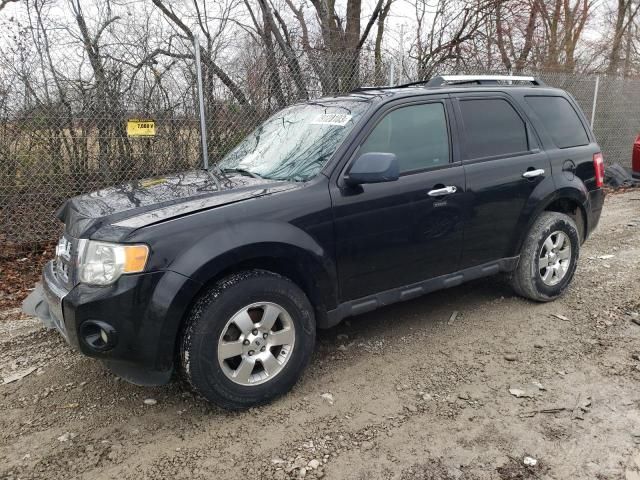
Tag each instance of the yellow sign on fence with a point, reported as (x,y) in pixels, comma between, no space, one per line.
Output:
(141,128)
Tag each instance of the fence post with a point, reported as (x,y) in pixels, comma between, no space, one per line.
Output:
(392,71)
(595,101)
(203,120)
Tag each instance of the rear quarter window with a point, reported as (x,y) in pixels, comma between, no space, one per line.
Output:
(560,120)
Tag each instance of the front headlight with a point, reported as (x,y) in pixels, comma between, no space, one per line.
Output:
(102,263)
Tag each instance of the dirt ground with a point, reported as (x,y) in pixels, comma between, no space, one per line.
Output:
(412,393)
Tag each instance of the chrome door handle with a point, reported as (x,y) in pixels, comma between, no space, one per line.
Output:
(533,173)
(442,191)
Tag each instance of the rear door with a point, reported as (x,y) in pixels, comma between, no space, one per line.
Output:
(393,234)
(503,167)
(568,145)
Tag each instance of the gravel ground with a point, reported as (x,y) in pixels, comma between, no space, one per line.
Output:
(406,392)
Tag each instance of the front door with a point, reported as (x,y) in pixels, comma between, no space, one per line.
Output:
(393,234)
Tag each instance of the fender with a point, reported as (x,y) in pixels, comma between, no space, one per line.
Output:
(543,196)
(232,246)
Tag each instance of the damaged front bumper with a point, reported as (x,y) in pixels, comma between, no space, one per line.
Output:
(140,315)
(45,302)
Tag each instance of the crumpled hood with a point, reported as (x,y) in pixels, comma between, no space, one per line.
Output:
(142,202)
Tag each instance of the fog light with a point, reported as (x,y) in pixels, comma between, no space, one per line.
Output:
(98,336)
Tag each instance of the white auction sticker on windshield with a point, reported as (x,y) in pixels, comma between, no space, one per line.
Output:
(340,119)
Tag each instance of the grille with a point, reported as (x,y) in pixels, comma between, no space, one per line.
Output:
(65,260)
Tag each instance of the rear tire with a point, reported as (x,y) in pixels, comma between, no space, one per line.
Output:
(248,339)
(548,258)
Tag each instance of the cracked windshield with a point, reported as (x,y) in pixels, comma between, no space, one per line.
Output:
(295,143)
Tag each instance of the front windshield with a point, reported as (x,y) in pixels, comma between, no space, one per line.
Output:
(295,143)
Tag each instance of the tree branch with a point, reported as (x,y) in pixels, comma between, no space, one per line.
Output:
(207,58)
(372,20)
(4,3)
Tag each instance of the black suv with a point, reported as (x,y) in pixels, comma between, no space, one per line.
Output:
(330,208)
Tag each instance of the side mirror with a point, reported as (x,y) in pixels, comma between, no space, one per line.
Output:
(373,167)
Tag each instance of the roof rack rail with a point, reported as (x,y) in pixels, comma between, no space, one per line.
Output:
(443,80)
(472,79)
(412,84)
(481,80)
(365,89)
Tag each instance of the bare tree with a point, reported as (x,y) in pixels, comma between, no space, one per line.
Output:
(384,13)
(208,52)
(284,43)
(441,35)
(342,39)
(625,15)
(4,3)
(104,99)
(564,24)
(540,33)
(515,43)
(265,34)
(632,52)
(324,75)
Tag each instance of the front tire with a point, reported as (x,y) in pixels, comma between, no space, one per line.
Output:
(248,339)
(548,258)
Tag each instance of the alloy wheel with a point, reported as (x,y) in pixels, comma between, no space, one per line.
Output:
(555,258)
(256,343)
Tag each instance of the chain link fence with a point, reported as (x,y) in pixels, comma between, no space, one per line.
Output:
(60,138)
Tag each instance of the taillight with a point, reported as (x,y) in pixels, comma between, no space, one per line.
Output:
(635,162)
(598,165)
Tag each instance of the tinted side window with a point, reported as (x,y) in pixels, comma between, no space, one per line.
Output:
(560,120)
(492,127)
(417,134)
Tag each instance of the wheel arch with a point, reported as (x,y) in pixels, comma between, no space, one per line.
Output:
(309,273)
(573,209)
(568,200)
(282,248)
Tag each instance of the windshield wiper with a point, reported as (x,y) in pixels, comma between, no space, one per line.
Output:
(242,171)
(214,177)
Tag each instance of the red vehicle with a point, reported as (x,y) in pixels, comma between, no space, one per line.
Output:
(635,162)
